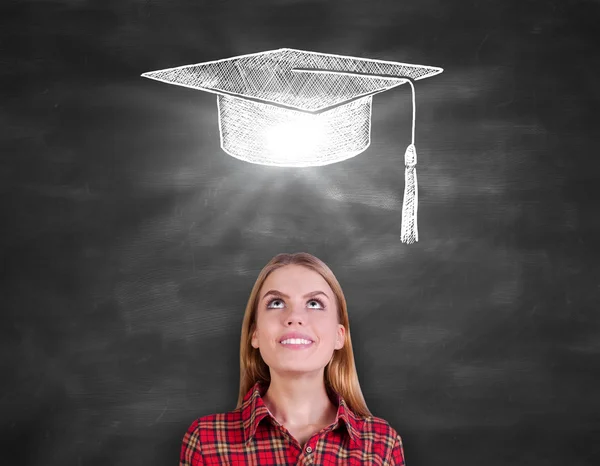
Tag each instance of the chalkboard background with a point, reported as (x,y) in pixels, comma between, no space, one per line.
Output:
(130,241)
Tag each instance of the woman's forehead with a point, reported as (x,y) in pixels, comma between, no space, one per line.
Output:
(295,279)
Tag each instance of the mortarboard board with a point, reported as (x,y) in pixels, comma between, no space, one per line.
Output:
(294,108)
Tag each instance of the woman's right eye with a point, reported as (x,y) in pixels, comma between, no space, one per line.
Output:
(275,303)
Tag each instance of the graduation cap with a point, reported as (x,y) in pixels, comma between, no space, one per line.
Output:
(293,108)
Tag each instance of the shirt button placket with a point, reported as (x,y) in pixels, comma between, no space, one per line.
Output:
(308,459)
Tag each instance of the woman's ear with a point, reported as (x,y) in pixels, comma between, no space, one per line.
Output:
(254,340)
(341,337)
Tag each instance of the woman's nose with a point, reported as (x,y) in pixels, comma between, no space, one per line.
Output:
(295,315)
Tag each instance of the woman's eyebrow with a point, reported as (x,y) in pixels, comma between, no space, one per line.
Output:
(283,295)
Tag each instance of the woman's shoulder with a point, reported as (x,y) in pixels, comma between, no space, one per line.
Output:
(376,435)
(211,434)
(373,425)
(230,420)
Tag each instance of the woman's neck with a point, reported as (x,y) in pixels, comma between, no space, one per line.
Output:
(300,402)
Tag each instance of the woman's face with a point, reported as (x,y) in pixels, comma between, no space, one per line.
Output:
(297,326)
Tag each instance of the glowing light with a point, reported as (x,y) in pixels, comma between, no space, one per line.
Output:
(268,135)
(292,141)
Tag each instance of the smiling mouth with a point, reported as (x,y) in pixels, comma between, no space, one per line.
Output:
(296,343)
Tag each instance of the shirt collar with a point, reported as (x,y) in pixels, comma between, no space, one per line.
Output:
(254,410)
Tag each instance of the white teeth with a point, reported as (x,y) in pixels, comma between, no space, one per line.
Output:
(296,341)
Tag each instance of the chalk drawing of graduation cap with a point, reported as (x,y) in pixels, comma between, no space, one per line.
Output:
(294,108)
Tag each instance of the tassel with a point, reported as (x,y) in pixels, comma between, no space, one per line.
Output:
(410,231)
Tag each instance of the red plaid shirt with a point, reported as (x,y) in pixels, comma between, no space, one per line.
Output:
(249,435)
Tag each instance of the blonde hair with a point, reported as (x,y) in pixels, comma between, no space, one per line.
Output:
(340,373)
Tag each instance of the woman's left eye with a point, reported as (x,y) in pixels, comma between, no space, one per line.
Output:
(317,302)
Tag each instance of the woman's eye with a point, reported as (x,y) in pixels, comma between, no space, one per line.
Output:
(275,303)
(313,302)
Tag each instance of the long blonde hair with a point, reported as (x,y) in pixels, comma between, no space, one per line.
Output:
(340,373)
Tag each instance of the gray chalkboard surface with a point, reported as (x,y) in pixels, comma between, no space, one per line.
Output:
(130,240)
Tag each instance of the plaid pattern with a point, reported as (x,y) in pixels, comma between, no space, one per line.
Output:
(249,435)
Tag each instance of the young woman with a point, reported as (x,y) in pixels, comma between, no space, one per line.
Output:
(300,401)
